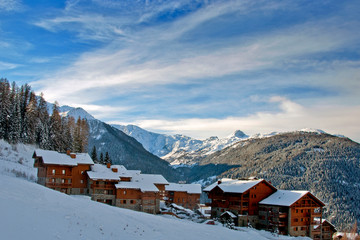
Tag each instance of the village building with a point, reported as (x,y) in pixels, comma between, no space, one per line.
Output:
(292,213)
(142,193)
(240,197)
(64,172)
(185,195)
(102,181)
(326,228)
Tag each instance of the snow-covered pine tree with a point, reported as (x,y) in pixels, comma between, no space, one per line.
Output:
(4,108)
(15,116)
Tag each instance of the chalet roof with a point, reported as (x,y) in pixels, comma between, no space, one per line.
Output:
(286,198)
(102,172)
(234,185)
(228,213)
(56,158)
(153,178)
(189,188)
(143,182)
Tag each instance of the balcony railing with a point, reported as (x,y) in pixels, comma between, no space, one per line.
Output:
(54,184)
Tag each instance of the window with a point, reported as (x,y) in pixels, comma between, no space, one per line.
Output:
(69,181)
(53,180)
(296,211)
(296,229)
(81,181)
(62,180)
(53,171)
(301,219)
(302,211)
(63,171)
(296,220)
(132,201)
(82,172)
(124,192)
(124,201)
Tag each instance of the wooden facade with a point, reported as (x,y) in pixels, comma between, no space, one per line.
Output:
(103,190)
(65,177)
(244,203)
(294,219)
(137,200)
(184,199)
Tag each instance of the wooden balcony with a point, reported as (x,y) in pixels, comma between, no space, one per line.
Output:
(58,185)
(102,186)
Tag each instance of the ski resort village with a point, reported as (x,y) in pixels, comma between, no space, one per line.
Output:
(239,203)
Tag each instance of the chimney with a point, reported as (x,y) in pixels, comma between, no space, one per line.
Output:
(68,152)
(108,165)
(72,155)
(219,181)
(114,169)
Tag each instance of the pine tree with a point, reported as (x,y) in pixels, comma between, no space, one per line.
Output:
(42,128)
(55,130)
(101,160)
(107,158)
(30,120)
(5,107)
(15,116)
(94,155)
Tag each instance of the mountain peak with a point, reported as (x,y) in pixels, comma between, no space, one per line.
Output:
(75,112)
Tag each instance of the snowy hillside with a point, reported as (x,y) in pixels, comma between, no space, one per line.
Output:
(31,211)
(16,160)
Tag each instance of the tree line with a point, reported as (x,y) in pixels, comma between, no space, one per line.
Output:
(101,159)
(24,118)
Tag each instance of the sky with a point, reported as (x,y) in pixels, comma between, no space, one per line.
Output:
(196,67)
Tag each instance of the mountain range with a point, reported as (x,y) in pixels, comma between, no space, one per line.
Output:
(326,165)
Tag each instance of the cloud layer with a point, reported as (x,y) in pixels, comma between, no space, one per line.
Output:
(198,67)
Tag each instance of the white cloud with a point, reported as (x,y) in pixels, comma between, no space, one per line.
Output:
(334,119)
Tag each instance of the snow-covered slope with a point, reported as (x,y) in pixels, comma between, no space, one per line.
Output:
(31,211)
(16,160)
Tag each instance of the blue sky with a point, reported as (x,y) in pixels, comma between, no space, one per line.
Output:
(199,68)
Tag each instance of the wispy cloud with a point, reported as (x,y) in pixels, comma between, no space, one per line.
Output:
(7,66)
(10,5)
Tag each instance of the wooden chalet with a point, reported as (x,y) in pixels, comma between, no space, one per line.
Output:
(142,193)
(65,172)
(326,228)
(241,197)
(185,195)
(292,213)
(102,181)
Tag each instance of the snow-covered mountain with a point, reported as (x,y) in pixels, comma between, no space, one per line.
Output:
(179,149)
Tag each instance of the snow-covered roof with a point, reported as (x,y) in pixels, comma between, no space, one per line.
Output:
(143,182)
(53,157)
(99,171)
(229,213)
(189,188)
(234,185)
(284,198)
(153,178)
